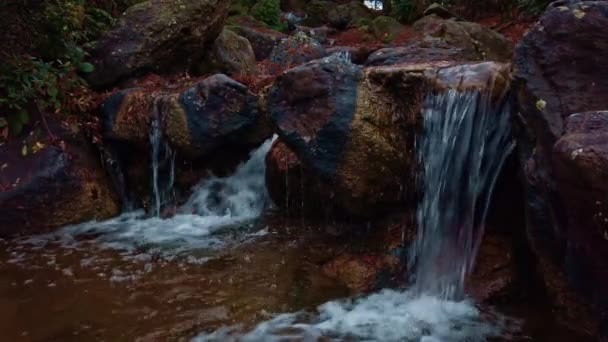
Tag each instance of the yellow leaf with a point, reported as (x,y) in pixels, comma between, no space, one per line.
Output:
(24,150)
(37,147)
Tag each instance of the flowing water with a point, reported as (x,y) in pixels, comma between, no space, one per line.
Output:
(161,154)
(465,142)
(219,270)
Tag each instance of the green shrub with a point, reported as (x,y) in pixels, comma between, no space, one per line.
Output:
(268,11)
(46,79)
(534,7)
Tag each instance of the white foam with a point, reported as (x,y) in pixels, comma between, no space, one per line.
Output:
(216,204)
(385,316)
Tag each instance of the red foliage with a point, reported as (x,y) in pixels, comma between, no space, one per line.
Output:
(355,37)
(267,71)
(513,30)
(405,36)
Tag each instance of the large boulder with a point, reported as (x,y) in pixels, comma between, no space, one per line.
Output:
(559,71)
(231,54)
(346,15)
(217,111)
(451,40)
(262,40)
(385,28)
(297,49)
(318,12)
(336,116)
(45,187)
(157,35)
(210,126)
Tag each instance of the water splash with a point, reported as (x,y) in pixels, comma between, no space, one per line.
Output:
(217,204)
(342,56)
(466,140)
(389,316)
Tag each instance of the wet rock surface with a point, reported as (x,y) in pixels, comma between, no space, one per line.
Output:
(156,35)
(47,187)
(336,117)
(558,84)
(210,127)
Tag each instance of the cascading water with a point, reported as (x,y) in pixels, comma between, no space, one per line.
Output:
(161,154)
(465,142)
(215,205)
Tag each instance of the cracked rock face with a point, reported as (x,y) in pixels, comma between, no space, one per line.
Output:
(562,92)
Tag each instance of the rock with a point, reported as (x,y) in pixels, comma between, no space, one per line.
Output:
(559,66)
(297,49)
(293,188)
(210,127)
(293,5)
(449,40)
(385,28)
(53,187)
(358,54)
(263,41)
(336,117)
(157,35)
(440,11)
(318,12)
(125,116)
(231,54)
(319,34)
(216,112)
(345,15)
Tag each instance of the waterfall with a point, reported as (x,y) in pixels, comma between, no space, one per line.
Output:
(465,142)
(216,205)
(161,154)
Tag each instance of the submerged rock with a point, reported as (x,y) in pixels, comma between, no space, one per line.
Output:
(559,72)
(45,188)
(157,35)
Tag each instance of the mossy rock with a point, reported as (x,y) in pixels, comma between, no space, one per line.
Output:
(347,15)
(240,7)
(158,36)
(318,12)
(245,21)
(385,28)
(231,54)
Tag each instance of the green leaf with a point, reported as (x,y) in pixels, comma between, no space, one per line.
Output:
(52,91)
(3,122)
(86,67)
